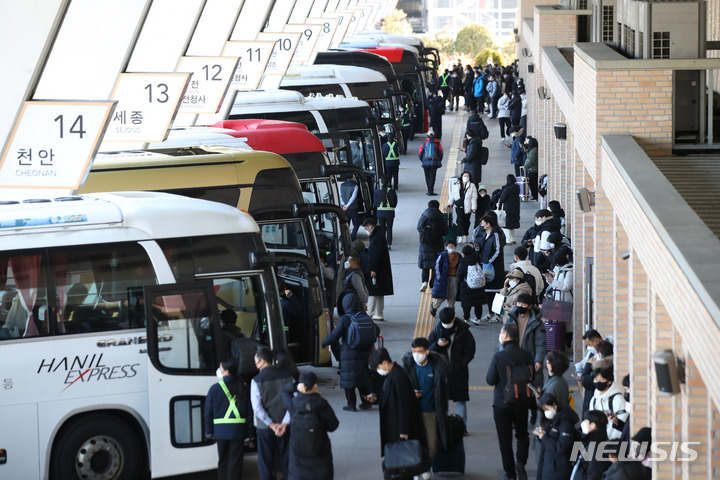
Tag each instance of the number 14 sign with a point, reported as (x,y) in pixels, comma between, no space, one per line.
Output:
(53,144)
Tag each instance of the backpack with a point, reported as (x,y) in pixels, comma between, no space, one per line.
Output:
(243,351)
(308,438)
(475,277)
(484,155)
(429,233)
(517,389)
(430,152)
(530,279)
(361,333)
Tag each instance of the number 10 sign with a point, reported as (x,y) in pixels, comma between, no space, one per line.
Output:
(53,144)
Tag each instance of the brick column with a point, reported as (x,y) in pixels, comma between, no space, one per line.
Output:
(639,357)
(581,230)
(623,341)
(604,264)
(696,420)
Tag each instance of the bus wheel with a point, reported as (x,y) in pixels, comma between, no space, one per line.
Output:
(100,447)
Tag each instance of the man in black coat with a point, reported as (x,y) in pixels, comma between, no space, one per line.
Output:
(381,280)
(436,110)
(510,202)
(428,373)
(400,417)
(473,158)
(509,416)
(452,339)
(431,243)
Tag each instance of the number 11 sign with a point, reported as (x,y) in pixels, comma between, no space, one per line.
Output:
(53,144)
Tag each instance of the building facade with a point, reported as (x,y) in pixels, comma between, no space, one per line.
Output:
(641,115)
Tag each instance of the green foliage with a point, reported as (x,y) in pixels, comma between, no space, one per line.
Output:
(507,49)
(444,43)
(396,23)
(486,53)
(473,38)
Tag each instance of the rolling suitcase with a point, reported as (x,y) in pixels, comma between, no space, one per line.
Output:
(452,227)
(451,462)
(524,184)
(555,335)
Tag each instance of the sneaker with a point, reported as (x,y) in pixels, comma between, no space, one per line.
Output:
(485,318)
(378,318)
(389,247)
(495,319)
(366,406)
(424,286)
(476,321)
(348,408)
(433,311)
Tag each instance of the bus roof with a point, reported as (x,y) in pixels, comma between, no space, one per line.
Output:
(369,60)
(273,135)
(397,56)
(321,74)
(115,217)
(199,136)
(261,102)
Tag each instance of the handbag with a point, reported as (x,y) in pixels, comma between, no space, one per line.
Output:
(403,455)
(557,310)
(488,271)
(498,304)
(502,218)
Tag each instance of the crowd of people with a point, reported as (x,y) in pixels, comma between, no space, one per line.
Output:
(462,263)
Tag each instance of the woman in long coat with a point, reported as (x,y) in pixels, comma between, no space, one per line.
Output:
(510,202)
(354,371)
(380,270)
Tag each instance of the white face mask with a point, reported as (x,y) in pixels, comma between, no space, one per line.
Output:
(451,250)
(447,326)
(538,221)
(513,283)
(218,373)
(347,265)
(382,372)
(482,195)
(550,414)
(585,427)
(466,179)
(419,358)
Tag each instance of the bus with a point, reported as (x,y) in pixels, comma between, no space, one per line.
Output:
(111,333)
(260,183)
(337,121)
(351,82)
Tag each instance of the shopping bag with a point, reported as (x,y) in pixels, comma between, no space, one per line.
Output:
(404,455)
(557,310)
(502,218)
(498,303)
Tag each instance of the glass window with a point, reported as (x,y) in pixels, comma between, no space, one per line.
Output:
(285,237)
(307,90)
(94,288)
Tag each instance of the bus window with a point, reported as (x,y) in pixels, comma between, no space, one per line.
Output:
(324,90)
(94,290)
(285,237)
(228,195)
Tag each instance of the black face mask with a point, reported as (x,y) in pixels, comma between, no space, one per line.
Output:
(602,386)
(522,310)
(626,396)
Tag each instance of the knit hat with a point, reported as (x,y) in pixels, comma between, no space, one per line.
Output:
(431,132)
(482,187)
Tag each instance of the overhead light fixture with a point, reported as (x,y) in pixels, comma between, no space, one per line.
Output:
(531,68)
(669,371)
(586,199)
(560,131)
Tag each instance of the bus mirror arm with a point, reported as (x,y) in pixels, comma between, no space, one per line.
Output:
(271,259)
(306,209)
(327,170)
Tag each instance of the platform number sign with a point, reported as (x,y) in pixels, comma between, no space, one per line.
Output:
(147,105)
(253,58)
(210,80)
(53,143)
(309,36)
(285,46)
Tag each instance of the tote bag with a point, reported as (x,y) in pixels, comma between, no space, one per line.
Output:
(498,302)
(502,218)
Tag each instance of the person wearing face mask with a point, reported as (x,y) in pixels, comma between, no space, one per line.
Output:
(510,202)
(354,281)
(531,166)
(561,278)
(445,286)
(531,332)
(587,376)
(594,431)
(557,435)
(400,415)
(227,411)
(608,397)
(544,222)
(464,197)
(428,373)
(473,157)
(509,417)
(483,205)
(514,286)
(452,339)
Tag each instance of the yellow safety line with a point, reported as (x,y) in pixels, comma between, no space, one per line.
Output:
(425,322)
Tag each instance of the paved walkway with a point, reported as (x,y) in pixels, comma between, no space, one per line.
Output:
(356,444)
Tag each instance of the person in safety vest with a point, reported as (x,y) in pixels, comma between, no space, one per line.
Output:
(226,413)
(445,85)
(392,159)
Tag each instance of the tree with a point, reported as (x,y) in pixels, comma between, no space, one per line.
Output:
(397,23)
(473,38)
(507,49)
(486,53)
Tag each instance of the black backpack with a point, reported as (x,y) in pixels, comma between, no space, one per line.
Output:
(430,234)
(308,435)
(361,333)
(517,386)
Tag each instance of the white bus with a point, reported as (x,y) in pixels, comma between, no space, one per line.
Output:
(91,389)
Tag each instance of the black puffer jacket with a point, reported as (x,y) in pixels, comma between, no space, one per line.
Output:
(556,446)
(429,252)
(510,201)
(462,351)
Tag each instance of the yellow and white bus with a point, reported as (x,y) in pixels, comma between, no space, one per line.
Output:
(260,183)
(110,330)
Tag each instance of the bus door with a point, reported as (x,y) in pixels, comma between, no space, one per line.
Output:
(348,153)
(305,326)
(413,83)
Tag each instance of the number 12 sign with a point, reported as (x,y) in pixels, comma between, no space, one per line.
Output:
(53,144)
